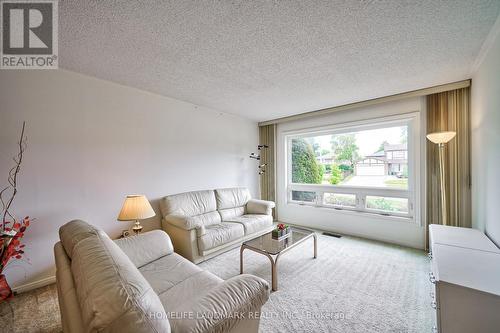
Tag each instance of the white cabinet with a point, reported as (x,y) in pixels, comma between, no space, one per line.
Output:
(461,237)
(465,268)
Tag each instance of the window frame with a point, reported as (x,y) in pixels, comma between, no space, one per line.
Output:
(411,120)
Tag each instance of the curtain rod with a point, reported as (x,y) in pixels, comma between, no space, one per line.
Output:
(413,93)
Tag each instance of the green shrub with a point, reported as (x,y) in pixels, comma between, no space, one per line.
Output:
(336,176)
(344,167)
(384,204)
(305,168)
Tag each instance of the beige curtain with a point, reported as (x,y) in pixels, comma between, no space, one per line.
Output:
(449,111)
(267,136)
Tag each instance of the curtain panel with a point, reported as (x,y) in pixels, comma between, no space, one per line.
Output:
(449,111)
(267,136)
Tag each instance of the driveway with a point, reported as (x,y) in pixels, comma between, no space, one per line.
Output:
(375,181)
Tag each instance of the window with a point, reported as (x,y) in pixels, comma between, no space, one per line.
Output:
(340,200)
(304,196)
(359,167)
(387,204)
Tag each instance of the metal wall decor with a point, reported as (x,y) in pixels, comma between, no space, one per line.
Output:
(262,167)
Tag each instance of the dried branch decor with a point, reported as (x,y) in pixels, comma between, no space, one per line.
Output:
(12,229)
(12,180)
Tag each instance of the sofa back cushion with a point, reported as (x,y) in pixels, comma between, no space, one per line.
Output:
(205,219)
(228,214)
(148,247)
(231,202)
(189,203)
(73,232)
(112,293)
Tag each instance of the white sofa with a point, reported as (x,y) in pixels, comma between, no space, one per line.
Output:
(139,285)
(203,224)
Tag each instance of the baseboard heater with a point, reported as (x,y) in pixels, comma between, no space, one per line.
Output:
(332,234)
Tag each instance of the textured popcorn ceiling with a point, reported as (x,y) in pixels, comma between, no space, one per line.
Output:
(268,59)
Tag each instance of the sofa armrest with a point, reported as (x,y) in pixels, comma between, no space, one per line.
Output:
(146,247)
(255,206)
(236,299)
(183,222)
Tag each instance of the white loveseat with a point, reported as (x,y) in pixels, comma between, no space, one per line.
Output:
(139,285)
(203,224)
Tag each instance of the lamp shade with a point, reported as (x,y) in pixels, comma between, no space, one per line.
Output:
(136,207)
(441,137)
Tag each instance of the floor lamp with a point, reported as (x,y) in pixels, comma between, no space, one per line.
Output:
(441,139)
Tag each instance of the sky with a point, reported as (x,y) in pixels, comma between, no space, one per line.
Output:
(368,141)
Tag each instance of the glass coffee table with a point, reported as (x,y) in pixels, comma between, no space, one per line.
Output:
(273,248)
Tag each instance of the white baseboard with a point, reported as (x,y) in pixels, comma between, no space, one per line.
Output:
(34,285)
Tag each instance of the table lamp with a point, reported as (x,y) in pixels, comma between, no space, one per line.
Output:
(441,139)
(135,208)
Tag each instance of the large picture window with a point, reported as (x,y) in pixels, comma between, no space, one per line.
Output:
(364,167)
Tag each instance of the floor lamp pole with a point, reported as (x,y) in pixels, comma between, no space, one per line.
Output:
(441,138)
(444,215)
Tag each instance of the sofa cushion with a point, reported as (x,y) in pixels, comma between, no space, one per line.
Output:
(219,234)
(188,290)
(189,203)
(229,213)
(73,232)
(194,222)
(146,247)
(253,223)
(232,197)
(168,271)
(112,293)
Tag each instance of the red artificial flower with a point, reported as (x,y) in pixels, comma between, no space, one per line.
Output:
(11,246)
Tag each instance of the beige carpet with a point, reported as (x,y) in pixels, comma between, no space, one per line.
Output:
(34,311)
(355,285)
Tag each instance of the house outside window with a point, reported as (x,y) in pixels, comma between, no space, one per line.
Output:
(394,158)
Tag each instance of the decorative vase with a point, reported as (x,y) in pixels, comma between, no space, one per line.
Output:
(5,291)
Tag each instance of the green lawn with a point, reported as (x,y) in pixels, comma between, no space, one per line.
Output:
(397,183)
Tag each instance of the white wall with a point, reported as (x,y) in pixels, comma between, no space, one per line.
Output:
(91,142)
(388,229)
(485,107)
